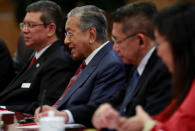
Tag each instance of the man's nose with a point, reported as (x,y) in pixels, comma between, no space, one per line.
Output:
(66,41)
(115,47)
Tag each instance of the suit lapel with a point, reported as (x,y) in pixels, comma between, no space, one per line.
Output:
(146,71)
(23,76)
(152,60)
(86,73)
(25,67)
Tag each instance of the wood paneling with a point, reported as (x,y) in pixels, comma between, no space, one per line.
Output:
(9,31)
(159,3)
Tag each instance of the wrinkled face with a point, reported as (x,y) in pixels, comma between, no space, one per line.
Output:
(76,40)
(35,33)
(125,45)
(164,51)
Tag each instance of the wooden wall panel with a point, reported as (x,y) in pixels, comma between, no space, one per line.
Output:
(159,3)
(9,31)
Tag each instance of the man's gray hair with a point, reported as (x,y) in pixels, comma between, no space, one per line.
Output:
(91,16)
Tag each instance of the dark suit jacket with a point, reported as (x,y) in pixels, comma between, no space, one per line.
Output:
(6,66)
(152,92)
(51,71)
(100,79)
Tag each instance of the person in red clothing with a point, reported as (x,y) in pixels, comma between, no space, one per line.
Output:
(175,35)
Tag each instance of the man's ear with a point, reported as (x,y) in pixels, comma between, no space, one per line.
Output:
(52,29)
(92,35)
(142,39)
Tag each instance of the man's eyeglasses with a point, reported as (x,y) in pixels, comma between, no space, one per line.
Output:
(68,35)
(28,25)
(120,41)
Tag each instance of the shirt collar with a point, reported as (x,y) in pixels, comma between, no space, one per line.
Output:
(90,57)
(144,61)
(38,54)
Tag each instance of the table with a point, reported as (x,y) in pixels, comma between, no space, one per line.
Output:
(11,122)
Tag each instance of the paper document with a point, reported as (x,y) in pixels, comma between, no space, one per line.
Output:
(6,112)
(67,126)
(73,126)
(28,127)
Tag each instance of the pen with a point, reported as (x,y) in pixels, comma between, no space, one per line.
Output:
(42,100)
(29,124)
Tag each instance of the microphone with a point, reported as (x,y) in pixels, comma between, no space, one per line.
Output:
(42,99)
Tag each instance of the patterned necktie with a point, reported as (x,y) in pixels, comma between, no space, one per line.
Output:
(129,92)
(81,67)
(32,61)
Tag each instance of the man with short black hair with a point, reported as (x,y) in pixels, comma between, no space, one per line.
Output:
(50,67)
(150,79)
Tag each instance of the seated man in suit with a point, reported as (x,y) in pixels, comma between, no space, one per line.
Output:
(104,74)
(6,66)
(149,82)
(53,66)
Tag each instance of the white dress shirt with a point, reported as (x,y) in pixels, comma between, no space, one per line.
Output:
(38,54)
(144,61)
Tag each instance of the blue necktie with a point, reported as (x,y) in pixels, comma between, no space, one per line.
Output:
(129,92)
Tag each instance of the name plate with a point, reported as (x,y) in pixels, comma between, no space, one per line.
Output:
(25,85)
